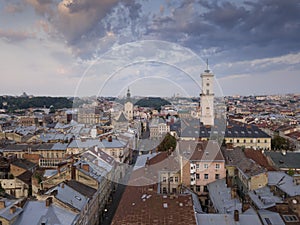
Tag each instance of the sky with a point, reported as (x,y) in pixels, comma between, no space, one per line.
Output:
(153,47)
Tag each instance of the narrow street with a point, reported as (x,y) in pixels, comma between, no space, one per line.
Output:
(116,197)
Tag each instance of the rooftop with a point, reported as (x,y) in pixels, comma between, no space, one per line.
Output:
(259,158)
(288,160)
(36,212)
(263,198)
(284,182)
(220,196)
(236,157)
(142,205)
(269,217)
(227,219)
(68,195)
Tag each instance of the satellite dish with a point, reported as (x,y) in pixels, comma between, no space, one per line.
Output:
(294,201)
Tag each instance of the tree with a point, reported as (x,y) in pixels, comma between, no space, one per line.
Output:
(278,143)
(169,142)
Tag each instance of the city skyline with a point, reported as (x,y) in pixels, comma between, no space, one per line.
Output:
(158,48)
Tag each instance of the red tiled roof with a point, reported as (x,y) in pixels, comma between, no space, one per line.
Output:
(259,158)
(142,205)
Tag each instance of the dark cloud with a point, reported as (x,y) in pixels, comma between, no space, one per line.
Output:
(245,29)
(268,25)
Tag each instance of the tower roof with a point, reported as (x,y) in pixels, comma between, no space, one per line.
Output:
(128,93)
(122,118)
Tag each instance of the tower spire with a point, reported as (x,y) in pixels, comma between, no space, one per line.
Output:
(207,70)
(128,93)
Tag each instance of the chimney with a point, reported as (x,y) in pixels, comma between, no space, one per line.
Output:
(48,201)
(228,181)
(236,215)
(12,209)
(2,204)
(73,172)
(245,204)
(110,139)
(233,192)
(86,167)
(62,185)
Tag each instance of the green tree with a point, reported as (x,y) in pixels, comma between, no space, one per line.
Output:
(278,143)
(291,172)
(169,142)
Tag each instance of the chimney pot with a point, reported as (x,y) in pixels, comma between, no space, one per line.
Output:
(48,201)
(12,209)
(2,204)
(236,215)
(86,167)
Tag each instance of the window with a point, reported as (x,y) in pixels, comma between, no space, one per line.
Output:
(174,190)
(217,166)
(205,189)
(171,179)
(164,190)
(230,140)
(205,166)
(197,188)
(265,141)
(244,140)
(206,176)
(207,92)
(197,176)
(251,141)
(164,179)
(197,165)
(258,141)
(290,218)
(176,179)
(237,141)
(207,84)
(217,176)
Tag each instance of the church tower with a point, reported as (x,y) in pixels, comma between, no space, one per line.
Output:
(128,107)
(207,98)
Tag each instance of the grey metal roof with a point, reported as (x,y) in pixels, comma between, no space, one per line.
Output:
(141,160)
(227,219)
(220,196)
(60,146)
(263,198)
(5,213)
(99,164)
(70,196)
(289,160)
(284,182)
(268,217)
(35,212)
(88,143)
(231,131)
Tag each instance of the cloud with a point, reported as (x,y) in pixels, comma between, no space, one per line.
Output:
(251,30)
(43,7)
(14,8)
(13,36)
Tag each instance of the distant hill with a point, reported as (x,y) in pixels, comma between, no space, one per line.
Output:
(12,103)
(153,102)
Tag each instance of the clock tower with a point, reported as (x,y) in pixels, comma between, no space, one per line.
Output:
(207,98)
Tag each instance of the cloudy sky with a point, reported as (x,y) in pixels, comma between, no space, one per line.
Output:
(102,47)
